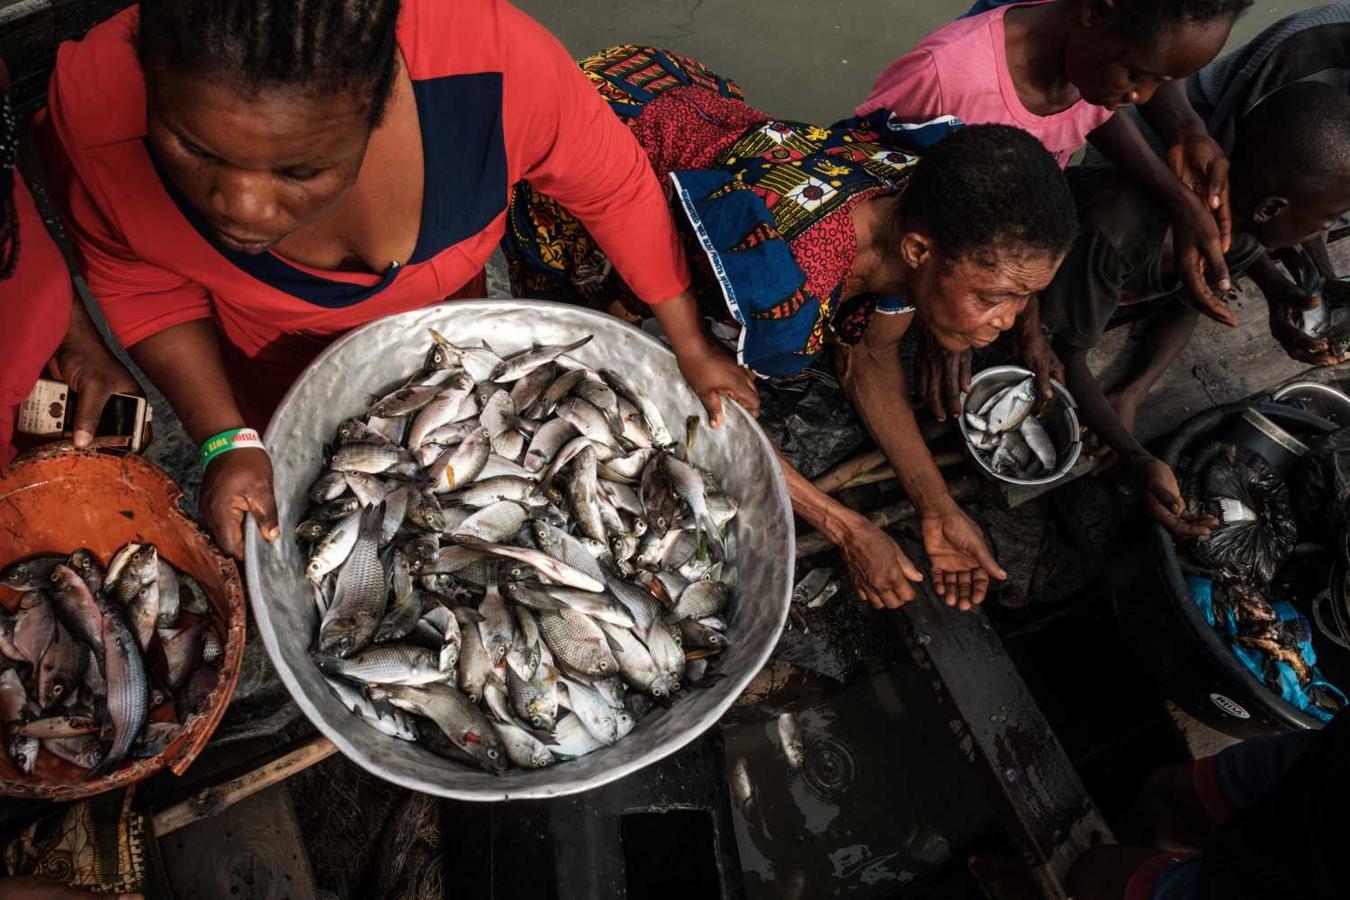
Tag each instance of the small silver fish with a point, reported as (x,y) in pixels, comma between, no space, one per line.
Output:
(521,364)
(386,664)
(455,715)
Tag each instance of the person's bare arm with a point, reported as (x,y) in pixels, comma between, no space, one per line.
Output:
(184,363)
(1162,494)
(1195,181)
(874,382)
(711,371)
(880,571)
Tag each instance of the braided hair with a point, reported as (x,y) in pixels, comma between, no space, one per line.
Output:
(9,216)
(322,46)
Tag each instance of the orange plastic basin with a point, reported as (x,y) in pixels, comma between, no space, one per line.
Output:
(56,500)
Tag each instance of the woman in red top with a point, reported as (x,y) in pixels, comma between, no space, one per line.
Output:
(247,179)
(39,325)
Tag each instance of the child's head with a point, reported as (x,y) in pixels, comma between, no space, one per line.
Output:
(1123,50)
(984,223)
(1290,175)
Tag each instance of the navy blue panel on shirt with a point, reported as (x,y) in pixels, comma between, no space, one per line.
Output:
(464,152)
(464,189)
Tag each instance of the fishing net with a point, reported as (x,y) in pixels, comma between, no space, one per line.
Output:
(368,840)
(1256,531)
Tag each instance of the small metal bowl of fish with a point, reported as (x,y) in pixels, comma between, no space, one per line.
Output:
(1016,435)
(513,570)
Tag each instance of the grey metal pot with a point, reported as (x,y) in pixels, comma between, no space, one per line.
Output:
(1060,420)
(372,359)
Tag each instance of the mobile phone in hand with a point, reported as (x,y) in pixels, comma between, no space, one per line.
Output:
(49,412)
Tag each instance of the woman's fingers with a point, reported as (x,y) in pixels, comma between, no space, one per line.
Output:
(713,401)
(979,584)
(92,397)
(963,589)
(908,569)
(263,506)
(226,526)
(952,382)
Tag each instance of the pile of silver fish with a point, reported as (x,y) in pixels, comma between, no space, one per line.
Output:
(512,559)
(100,666)
(1007,433)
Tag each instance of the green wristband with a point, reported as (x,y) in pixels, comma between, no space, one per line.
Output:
(234,439)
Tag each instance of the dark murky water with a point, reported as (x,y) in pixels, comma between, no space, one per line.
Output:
(876,795)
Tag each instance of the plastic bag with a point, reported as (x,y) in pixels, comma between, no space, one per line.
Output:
(810,420)
(1271,640)
(1321,486)
(1257,530)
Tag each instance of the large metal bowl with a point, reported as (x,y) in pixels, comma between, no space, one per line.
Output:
(367,362)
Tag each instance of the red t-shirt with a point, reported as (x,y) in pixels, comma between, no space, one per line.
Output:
(34,313)
(499,101)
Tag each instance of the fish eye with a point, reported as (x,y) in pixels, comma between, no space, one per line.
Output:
(492,754)
(58,690)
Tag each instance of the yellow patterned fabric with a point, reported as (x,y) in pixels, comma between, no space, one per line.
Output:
(97,843)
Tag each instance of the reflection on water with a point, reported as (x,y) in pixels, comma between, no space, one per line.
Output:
(857,795)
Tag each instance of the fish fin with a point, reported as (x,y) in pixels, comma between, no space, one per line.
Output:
(543,737)
(578,345)
(691,425)
(615,647)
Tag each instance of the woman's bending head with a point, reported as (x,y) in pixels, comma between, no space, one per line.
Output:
(984,222)
(1122,51)
(259,111)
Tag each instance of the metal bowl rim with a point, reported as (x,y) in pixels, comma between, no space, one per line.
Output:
(736,683)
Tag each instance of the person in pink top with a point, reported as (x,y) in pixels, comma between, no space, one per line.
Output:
(1060,69)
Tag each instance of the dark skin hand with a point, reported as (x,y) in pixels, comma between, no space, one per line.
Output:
(1194,185)
(874,382)
(1287,303)
(711,371)
(85,363)
(880,571)
(942,377)
(185,361)
(1203,211)
(959,557)
(1156,480)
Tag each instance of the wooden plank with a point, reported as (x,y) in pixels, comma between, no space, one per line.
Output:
(849,469)
(213,800)
(254,851)
(1047,809)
